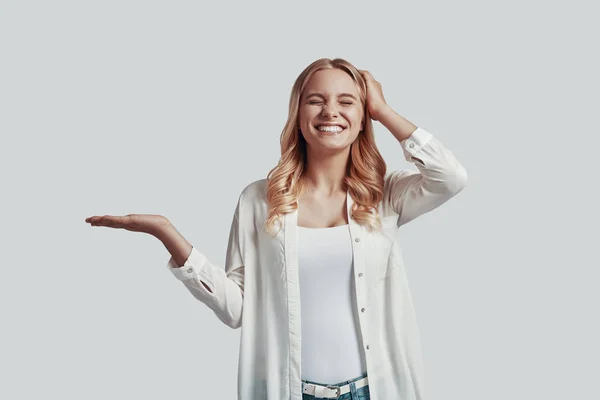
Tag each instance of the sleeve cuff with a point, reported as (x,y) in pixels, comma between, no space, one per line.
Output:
(192,266)
(413,144)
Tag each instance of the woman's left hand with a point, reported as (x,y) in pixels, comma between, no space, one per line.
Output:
(375,101)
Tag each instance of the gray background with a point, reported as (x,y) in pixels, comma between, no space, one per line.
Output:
(171,108)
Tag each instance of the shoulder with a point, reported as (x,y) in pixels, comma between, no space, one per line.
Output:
(397,176)
(253,198)
(252,205)
(394,184)
(255,190)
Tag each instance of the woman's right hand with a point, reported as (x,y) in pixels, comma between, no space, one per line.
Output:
(147,223)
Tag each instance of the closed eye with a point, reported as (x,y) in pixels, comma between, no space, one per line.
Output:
(319,102)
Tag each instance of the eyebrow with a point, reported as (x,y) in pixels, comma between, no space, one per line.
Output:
(340,95)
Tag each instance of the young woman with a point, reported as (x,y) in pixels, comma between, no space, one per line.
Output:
(314,274)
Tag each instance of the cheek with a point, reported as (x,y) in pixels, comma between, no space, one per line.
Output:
(355,117)
(303,116)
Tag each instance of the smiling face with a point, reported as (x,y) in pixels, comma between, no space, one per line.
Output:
(330,111)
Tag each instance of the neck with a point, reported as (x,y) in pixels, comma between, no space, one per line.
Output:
(324,174)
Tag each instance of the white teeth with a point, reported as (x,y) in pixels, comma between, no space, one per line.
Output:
(327,128)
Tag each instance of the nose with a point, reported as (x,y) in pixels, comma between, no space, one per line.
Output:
(329,111)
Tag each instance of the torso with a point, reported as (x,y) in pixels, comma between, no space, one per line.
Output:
(322,212)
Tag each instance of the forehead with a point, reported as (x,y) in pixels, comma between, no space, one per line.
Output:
(330,82)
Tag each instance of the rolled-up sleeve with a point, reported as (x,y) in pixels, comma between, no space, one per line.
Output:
(440,176)
(225,293)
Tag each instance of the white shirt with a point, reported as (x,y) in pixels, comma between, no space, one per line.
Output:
(331,348)
(260,270)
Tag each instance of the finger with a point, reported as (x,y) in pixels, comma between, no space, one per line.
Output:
(115,221)
(92,220)
(105,220)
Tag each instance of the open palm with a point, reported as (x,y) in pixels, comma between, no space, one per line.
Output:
(147,223)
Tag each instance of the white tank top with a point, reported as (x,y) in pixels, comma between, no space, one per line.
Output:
(331,349)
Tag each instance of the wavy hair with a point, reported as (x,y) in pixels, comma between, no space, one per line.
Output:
(366,168)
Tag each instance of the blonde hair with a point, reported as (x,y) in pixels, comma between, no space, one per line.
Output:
(366,167)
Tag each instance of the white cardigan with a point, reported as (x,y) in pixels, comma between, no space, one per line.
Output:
(261,270)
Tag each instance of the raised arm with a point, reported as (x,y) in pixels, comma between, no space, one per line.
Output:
(222,290)
(439,177)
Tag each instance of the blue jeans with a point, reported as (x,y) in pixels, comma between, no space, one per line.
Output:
(354,393)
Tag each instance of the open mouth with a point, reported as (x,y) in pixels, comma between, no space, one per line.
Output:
(330,129)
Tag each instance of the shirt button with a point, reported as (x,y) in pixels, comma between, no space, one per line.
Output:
(411,145)
(360,274)
(189,270)
(368,347)
(362,310)
(357,240)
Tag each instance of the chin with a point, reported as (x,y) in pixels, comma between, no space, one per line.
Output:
(332,144)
